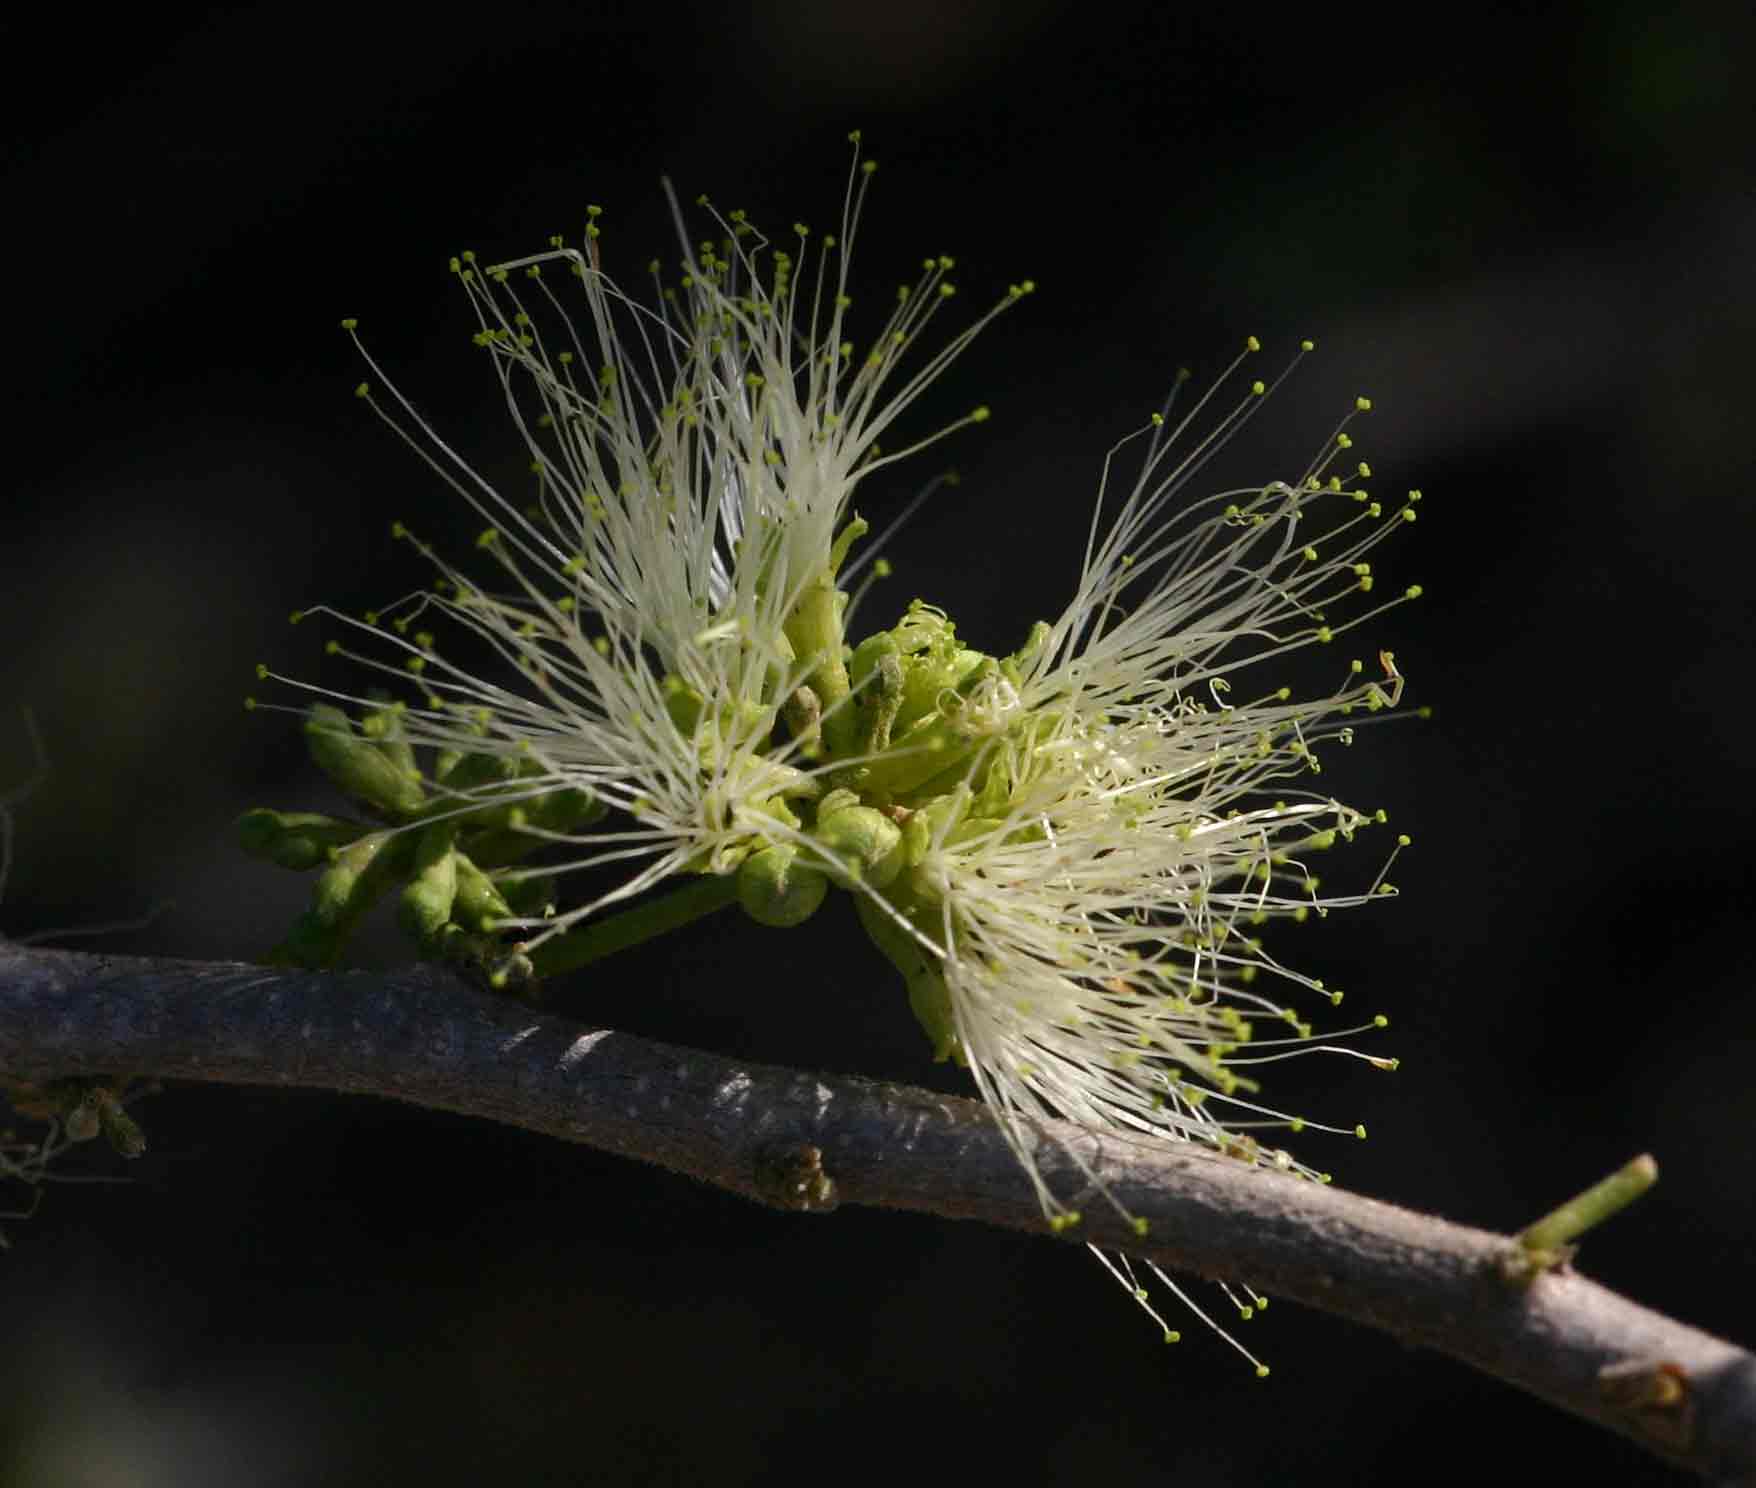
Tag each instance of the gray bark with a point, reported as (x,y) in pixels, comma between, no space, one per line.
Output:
(806,1141)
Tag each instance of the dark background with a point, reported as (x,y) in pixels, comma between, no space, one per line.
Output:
(1528,239)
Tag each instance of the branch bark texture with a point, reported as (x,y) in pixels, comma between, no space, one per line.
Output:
(776,1135)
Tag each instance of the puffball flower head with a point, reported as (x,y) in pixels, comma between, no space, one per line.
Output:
(652,670)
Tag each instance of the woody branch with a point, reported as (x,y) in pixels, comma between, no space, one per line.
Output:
(424,1037)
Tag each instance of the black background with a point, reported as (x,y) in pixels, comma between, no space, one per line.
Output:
(1528,235)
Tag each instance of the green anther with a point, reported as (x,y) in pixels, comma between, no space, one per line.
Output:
(359,766)
(777,888)
(428,899)
(294,839)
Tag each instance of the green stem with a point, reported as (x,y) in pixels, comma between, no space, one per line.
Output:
(599,938)
(1587,1210)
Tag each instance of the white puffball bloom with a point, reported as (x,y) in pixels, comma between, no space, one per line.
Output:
(1068,852)
(694,460)
(1091,914)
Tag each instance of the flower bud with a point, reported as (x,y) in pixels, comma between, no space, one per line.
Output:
(864,840)
(478,902)
(359,766)
(345,890)
(425,909)
(779,890)
(928,996)
(294,839)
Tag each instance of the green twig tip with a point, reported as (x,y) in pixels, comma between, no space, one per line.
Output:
(1548,1242)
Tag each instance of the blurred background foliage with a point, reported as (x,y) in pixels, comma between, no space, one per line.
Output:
(1526,233)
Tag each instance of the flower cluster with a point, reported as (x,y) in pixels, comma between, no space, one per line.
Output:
(1066,851)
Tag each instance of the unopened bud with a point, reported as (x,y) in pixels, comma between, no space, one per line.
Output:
(864,840)
(778,889)
(294,839)
(358,765)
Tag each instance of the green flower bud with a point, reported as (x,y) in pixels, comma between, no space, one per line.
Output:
(565,810)
(836,800)
(294,839)
(425,909)
(384,728)
(339,886)
(928,996)
(869,653)
(345,890)
(929,999)
(471,772)
(778,889)
(530,898)
(927,749)
(478,902)
(866,841)
(359,766)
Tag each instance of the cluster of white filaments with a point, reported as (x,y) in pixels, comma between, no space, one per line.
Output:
(1076,881)
(694,459)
